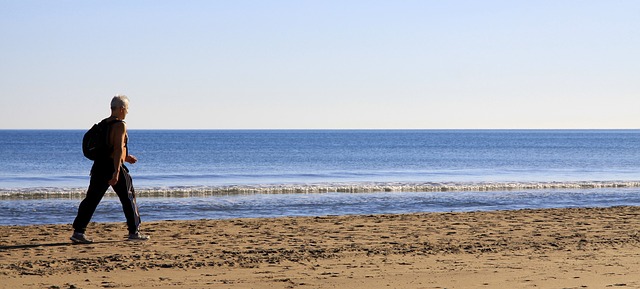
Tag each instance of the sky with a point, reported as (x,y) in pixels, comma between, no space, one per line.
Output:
(322,64)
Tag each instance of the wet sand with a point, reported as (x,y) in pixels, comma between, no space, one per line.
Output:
(554,248)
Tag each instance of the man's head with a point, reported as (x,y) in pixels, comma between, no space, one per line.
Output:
(120,106)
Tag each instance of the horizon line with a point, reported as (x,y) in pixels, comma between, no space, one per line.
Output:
(327,129)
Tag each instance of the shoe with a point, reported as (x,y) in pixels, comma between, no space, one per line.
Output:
(80,238)
(138,237)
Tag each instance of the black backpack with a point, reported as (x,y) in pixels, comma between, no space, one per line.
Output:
(95,143)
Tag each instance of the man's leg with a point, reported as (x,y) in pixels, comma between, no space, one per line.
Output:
(97,188)
(126,194)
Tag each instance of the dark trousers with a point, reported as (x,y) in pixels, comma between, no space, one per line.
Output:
(101,173)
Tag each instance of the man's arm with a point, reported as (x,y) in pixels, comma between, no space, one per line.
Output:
(118,132)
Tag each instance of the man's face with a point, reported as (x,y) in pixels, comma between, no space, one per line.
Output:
(125,108)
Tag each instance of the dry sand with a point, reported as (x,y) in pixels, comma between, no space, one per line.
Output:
(556,248)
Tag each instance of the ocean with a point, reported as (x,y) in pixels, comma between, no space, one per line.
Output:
(205,174)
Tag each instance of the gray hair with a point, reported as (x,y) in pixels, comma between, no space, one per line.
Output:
(119,100)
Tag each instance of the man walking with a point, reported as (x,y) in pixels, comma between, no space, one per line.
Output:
(110,170)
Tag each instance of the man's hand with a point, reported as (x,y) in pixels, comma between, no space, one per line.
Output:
(114,180)
(131,159)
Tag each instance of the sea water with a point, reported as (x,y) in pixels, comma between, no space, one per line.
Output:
(196,174)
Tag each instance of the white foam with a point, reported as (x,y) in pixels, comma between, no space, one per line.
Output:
(378,187)
(195,191)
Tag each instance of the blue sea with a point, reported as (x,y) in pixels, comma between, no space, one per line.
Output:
(211,174)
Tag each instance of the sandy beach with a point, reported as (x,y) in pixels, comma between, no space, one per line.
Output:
(552,248)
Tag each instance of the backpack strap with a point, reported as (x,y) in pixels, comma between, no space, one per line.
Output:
(107,123)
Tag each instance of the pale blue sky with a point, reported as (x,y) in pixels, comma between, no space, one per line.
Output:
(321,64)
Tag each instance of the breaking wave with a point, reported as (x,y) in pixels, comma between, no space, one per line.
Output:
(203,191)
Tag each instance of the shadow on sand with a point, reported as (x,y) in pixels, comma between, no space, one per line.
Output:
(27,246)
